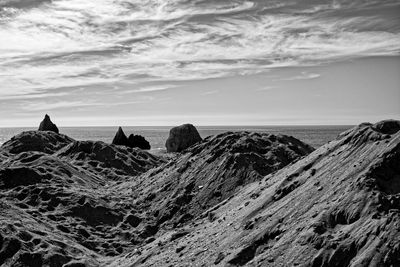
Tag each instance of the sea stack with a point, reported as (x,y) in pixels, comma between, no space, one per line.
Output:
(133,140)
(182,137)
(48,125)
(120,138)
(138,141)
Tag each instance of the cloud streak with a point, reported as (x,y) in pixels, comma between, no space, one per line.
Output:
(148,41)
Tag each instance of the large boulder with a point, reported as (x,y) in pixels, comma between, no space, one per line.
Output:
(182,137)
(120,138)
(138,141)
(48,125)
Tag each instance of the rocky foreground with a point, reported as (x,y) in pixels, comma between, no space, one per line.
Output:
(234,199)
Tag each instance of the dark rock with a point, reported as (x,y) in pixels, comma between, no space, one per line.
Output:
(387,126)
(133,140)
(219,258)
(48,125)
(179,249)
(182,137)
(18,176)
(120,138)
(138,141)
(179,234)
(10,247)
(133,220)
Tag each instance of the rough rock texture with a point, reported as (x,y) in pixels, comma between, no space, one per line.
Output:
(235,199)
(57,207)
(133,141)
(210,172)
(182,137)
(47,125)
(46,142)
(339,206)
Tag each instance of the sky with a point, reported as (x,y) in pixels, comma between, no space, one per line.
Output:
(207,62)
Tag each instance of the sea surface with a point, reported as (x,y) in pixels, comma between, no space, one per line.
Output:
(315,136)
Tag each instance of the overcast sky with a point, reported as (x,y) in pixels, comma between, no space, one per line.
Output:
(159,62)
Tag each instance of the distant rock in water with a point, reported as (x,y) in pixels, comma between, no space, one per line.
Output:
(182,137)
(133,140)
(120,138)
(48,125)
(138,141)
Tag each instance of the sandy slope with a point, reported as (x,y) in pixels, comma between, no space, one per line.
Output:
(228,201)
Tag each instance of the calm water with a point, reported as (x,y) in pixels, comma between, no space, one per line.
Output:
(313,135)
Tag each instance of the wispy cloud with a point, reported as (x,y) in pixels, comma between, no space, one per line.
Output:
(302,76)
(144,89)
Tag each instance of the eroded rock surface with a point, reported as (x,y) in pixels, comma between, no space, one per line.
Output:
(57,206)
(234,199)
(339,206)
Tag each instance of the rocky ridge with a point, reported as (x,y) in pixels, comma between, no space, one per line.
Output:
(339,206)
(233,199)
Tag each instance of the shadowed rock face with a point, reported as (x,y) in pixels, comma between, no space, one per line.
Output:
(182,137)
(120,138)
(138,141)
(47,125)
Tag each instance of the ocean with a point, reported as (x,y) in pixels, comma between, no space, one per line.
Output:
(315,136)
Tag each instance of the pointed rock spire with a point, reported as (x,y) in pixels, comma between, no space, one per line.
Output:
(48,125)
(120,138)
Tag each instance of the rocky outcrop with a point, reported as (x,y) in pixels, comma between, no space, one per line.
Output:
(56,205)
(138,141)
(182,137)
(48,125)
(234,199)
(212,171)
(133,141)
(120,138)
(339,206)
(41,141)
(115,162)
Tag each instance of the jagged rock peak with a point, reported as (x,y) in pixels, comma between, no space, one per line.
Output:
(48,125)
(182,137)
(133,140)
(120,138)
